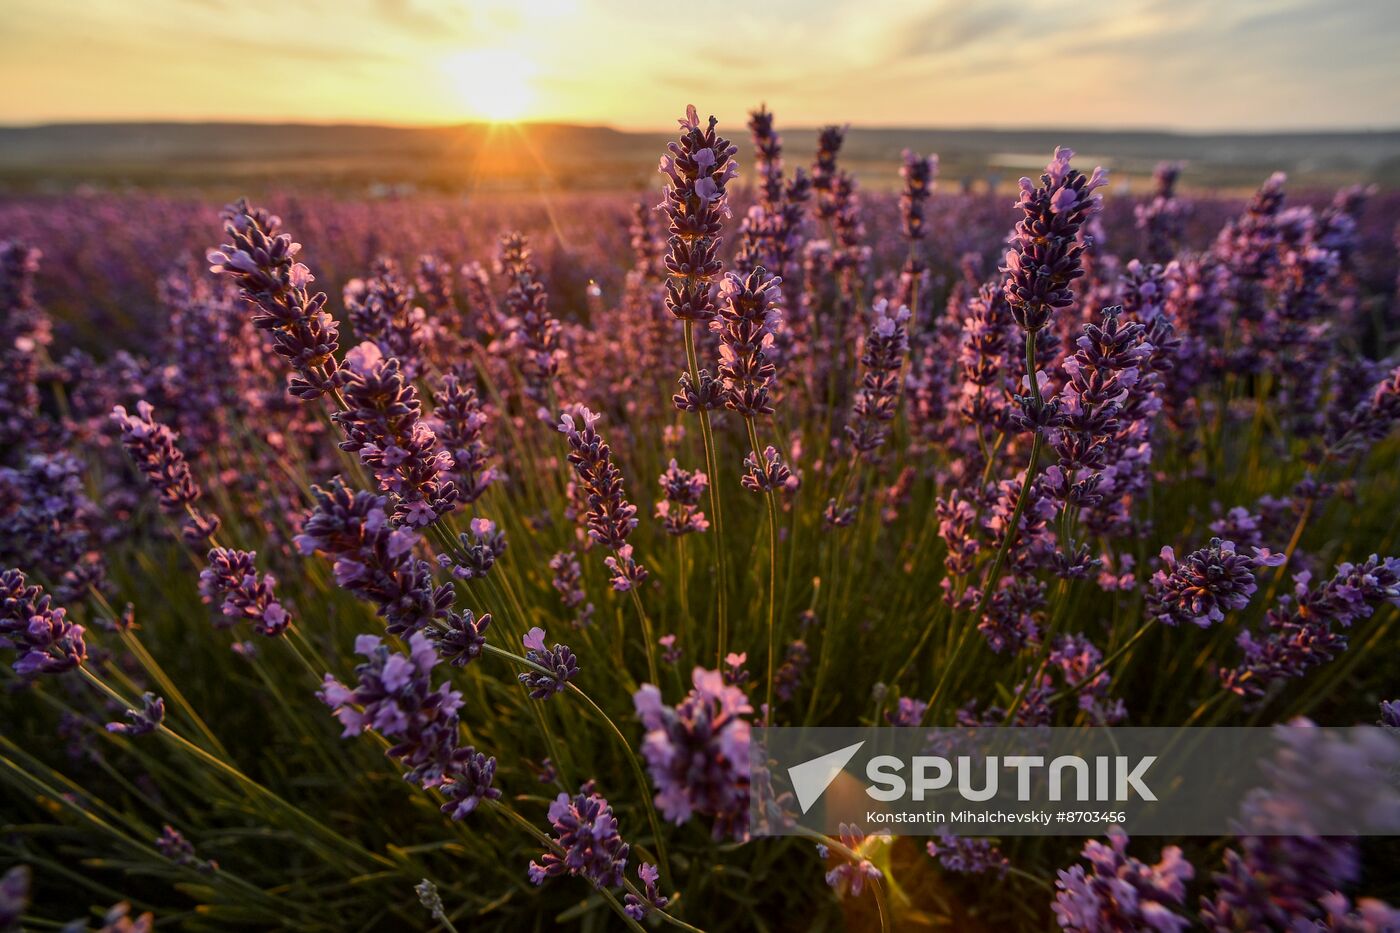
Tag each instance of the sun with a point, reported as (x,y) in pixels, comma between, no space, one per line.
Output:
(494,83)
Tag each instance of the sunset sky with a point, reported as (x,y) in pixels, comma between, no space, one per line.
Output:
(1180,64)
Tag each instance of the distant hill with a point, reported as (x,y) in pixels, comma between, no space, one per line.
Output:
(476,157)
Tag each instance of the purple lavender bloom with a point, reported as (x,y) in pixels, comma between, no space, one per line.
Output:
(468,782)
(1077,658)
(431,900)
(918,173)
(1299,633)
(373,559)
(907,712)
(24,329)
(1088,413)
(627,574)
(48,524)
(384,425)
(1121,893)
(771,474)
(670,651)
(153,449)
(652,899)
(172,844)
(459,422)
(141,721)
(788,676)
(534,332)
(1371,916)
(585,828)
(698,752)
(1390,713)
(232,576)
(735,674)
(610,517)
(39,632)
(1240,526)
(749,314)
(824,170)
(568,582)
(1206,584)
(262,262)
(698,167)
(987,359)
(461,637)
(14,896)
(1160,219)
(478,551)
(560,661)
(679,510)
(1280,877)
(767,157)
(967,855)
(849,876)
(877,400)
(395,697)
(1370,421)
(433,278)
(382,311)
(1046,254)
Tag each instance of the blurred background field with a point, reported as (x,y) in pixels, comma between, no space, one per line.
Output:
(230,159)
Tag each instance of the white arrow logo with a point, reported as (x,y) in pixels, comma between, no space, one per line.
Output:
(811,778)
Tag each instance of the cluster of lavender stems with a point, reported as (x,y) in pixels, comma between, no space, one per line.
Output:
(1045,258)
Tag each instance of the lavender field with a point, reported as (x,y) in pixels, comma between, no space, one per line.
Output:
(423,563)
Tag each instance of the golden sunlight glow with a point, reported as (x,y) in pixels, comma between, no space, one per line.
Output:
(495,84)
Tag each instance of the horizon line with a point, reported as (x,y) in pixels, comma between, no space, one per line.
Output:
(799,127)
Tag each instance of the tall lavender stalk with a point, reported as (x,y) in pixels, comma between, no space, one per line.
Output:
(534,331)
(918,173)
(610,517)
(698,166)
(262,262)
(749,314)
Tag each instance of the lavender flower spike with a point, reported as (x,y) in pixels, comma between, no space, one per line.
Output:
(652,899)
(373,559)
(878,397)
(610,516)
(233,577)
(383,424)
(262,262)
(698,166)
(918,173)
(153,449)
(698,752)
(585,828)
(1121,893)
(679,510)
(395,697)
(46,642)
(141,721)
(559,660)
(1207,583)
(1046,254)
(749,316)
